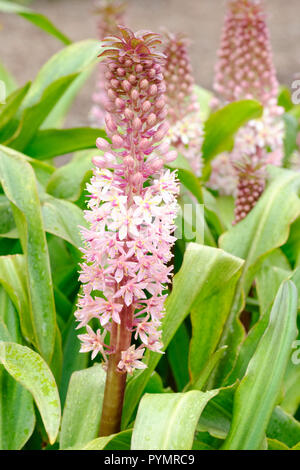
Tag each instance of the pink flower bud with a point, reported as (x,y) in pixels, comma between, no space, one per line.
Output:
(132,79)
(161,132)
(119,103)
(146,106)
(126,85)
(139,68)
(135,95)
(114,83)
(129,162)
(170,156)
(153,90)
(151,120)
(144,144)
(102,144)
(157,165)
(111,94)
(137,179)
(99,162)
(144,84)
(117,141)
(137,124)
(160,103)
(129,114)
(110,123)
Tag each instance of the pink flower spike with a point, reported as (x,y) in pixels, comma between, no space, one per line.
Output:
(131,209)
(245,70)
(186,126)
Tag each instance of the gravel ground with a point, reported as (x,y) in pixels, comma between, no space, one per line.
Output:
(24,48)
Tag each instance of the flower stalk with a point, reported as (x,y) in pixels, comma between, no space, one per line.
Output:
(115,380)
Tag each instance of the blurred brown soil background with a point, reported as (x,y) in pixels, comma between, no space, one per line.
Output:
(25,48)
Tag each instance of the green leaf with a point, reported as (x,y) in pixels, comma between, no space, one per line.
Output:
(9,109)
(204,99)
(53,142)
(82,411)
(168,421)
(17,418)
(67,182)
(63,218)
(284,427)
(70,60)
(264,229)
(13,279)
(190,221)
(120,441)
(37,19)
(290,138)
(73,360)
(291,398)
(8,79)
(33,116)
(57,115)
(203,270)
(268,282)
(28,368)
(222,125)
(19,184)
(273,444)
(209,314)
(292,246)
(201,379)
(10,325)
(217,415)
(284,98)
(258,392)
(225,205)
(178,356)
(187,176)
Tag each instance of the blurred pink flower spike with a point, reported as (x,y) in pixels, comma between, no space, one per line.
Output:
(186,126)
(110,13)
(245,70)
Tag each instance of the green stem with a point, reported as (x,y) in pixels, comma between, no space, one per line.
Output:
(115,380)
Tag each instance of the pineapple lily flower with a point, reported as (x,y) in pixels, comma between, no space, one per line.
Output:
(131,212)
(186,131)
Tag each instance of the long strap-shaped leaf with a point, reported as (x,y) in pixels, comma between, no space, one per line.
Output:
(263,230)
(256,396)
(19,184)
(17,417)
(30,370)
(13,279)
(168,421)
(33,116)
(224,123)
(82,411)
